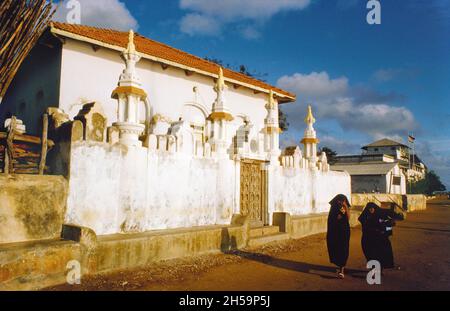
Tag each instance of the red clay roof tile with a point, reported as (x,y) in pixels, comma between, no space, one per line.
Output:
(165,52)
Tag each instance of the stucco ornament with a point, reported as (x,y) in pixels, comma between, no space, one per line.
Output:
(130,97)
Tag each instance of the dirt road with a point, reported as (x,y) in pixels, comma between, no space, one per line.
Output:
(421,247)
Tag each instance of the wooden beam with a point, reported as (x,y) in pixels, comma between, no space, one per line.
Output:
(188,73)
(95,47)
(164,66)
(236,86)
(44,145)
(256,92)
(6,162)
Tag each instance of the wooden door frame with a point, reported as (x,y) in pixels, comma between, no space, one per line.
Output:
(264,189)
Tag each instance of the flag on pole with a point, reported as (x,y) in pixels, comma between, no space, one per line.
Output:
(411,138)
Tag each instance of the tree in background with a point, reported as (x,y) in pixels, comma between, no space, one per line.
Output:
(22,22)
(283,123)
(428,185)
(282,120)
(331,154)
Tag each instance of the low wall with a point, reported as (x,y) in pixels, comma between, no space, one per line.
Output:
(306,225)
(410,202)
(416,202)
(35,265)
(122,252)
(32,207)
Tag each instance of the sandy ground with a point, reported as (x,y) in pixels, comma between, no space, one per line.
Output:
(421,247)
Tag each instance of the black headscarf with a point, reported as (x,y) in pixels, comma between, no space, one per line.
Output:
(336,204)
(366,211)
(338,199)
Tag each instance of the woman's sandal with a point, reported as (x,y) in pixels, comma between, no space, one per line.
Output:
(340,274)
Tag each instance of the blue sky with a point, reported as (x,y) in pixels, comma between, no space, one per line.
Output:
(364,81)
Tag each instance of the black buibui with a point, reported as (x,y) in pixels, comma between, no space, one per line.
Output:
(338,233)
(377,224)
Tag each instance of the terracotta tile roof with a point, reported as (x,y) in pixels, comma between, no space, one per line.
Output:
(165,52)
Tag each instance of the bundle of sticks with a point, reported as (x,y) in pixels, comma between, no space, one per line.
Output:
(22,22)
(26,157)
(24,154)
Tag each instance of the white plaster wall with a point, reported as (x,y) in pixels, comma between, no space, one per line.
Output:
(396,189)
(301,192)
(94,187)
(114,189)
(117,189)
(89,75)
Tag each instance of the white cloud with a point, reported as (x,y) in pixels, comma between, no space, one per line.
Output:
(101,13)
(194,23)
(332,99)
(341,146)
(234,11)
(314,85)
(238,9)
(250,32)
(385,74)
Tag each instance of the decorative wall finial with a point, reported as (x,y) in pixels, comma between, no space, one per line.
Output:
(310,118)
(131,48)
(220,84)
(271,104)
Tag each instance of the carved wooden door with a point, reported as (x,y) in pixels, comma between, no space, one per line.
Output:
(253,192)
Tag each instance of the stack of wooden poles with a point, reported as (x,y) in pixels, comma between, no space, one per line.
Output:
(22,22)
(24,154)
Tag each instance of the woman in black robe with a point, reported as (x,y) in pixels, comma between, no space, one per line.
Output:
(377,226)
(338,233)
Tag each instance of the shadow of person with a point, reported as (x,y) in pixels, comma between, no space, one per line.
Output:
(326,272)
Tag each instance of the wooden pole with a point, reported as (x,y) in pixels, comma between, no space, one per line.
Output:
(10,147)
(44,142)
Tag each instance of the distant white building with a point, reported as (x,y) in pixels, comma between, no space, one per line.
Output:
(379,177)
(411,165)
(385,166)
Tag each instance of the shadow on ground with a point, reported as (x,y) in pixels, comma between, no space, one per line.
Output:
(326,272)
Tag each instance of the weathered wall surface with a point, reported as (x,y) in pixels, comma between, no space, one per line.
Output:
(122,252)
(301,192)
(302,226)
(31,207)
(409,202)
(416,202)
(114,189)
(35,265)
(361,199)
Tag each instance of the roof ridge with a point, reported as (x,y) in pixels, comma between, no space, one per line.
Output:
(250,79)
